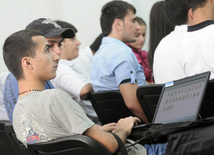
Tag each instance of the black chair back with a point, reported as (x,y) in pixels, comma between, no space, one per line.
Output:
(5,143)
(21,149)
(109,106)
(148,96)
(207,108)
(77,144)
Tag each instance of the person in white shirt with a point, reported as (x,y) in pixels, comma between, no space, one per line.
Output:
(84,60)
(198,43)
(69,78)
(158,16)
(168,54)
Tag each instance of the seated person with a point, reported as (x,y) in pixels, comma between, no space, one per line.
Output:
(84,60)
(158,16)
(54,35)
(114,66)
(41,115)
(168,54)
(197,45)
(69,78)
(3,112)
(142,56)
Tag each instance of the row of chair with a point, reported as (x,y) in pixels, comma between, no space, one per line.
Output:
(76,145)
(110,106)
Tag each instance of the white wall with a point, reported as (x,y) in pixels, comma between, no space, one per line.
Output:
(83,14)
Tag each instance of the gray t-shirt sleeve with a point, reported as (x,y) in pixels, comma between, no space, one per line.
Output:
(69,115)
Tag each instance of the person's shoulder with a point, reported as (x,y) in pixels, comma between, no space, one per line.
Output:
(209,29)
(56,92)
(116,44)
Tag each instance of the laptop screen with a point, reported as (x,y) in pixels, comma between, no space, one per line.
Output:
(181,100)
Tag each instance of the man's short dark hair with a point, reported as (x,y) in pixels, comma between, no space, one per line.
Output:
(64,24)
(177,11)
(194,4)
(17,46)
(111,11)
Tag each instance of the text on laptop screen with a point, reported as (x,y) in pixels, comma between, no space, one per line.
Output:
(180,102)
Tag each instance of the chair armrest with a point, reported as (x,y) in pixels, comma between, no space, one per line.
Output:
(80,144)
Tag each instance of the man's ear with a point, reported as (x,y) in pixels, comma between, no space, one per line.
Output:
(118,24)
(190,14)
(27,63)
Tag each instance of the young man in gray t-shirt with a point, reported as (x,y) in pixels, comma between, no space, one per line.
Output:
(42,115)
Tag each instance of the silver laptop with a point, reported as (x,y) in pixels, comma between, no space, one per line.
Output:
(180,100)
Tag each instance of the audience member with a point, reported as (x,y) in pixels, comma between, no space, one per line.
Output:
(3,112)
(69,78)
(167,57)
(54,34)
(198,44)
(160,26)
(42,115)
(142,56)
(114,66)
(84,60)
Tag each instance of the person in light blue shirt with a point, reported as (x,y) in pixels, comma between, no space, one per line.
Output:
(114,66)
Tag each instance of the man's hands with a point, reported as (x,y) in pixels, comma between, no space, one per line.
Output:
(109,127)
(122,128)
(126,124)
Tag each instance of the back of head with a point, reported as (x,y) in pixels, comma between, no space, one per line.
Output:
(177,11)
(50,28)
(64,24)
(113,10)
(160,26)
(96,44)
(194,4)
(17,46)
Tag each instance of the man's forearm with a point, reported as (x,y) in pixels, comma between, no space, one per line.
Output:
(84,94)
(137,111)
(128,92)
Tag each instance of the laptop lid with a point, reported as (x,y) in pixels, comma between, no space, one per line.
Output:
(181,100)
